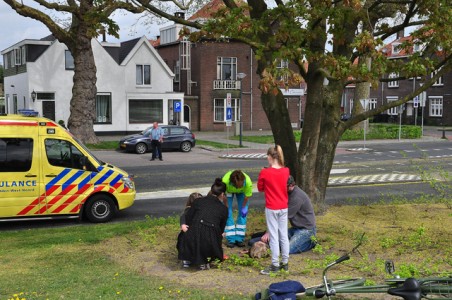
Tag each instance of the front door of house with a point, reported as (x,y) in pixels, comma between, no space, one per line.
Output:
(48,109)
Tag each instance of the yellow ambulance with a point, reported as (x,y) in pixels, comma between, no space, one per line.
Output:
(46,172)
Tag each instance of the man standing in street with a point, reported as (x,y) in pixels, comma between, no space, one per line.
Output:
(156,141)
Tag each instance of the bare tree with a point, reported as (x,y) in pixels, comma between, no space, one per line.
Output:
(76,23)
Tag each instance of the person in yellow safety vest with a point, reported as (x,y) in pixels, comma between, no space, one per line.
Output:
(238,184)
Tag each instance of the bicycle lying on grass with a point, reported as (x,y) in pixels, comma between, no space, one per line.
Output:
(406,288)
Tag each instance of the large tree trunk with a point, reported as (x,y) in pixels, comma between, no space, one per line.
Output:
(331,129)
(83,110)
(308,148)
(321,131)
(278,116)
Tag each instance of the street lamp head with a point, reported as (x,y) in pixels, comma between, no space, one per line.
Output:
(240,76)
(33,95)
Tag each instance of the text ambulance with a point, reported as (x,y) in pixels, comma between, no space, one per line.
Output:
(46,172)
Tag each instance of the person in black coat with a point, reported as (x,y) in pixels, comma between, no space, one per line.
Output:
(206,220)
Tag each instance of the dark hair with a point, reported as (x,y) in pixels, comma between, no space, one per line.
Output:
(192,198)
(218,187)
(236,177)
(290,181)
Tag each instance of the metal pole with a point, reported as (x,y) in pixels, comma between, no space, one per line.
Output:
(365,121)
(240,141)
(422,122)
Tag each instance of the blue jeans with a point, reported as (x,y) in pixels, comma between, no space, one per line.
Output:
(300,240)
(235,231)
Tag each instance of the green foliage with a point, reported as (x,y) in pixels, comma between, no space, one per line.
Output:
(383,131)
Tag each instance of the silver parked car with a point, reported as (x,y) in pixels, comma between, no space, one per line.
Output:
(175,137)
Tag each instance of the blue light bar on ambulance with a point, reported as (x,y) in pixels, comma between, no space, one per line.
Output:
(28,112)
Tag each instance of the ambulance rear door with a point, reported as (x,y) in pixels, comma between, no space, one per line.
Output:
(19,174)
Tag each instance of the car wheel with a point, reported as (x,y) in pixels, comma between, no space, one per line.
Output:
(100,208)
(141,148)
(185,146)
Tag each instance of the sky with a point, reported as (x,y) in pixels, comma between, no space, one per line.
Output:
(15,28)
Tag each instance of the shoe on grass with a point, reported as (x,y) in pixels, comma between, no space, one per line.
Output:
(204,267)
(240,244)
(186,264)
(284,267)
(270,269)
(230,245)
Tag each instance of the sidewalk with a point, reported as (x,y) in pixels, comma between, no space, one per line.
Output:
(431,133)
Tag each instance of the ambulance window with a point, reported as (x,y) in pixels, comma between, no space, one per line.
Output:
(64,154)
(15,154)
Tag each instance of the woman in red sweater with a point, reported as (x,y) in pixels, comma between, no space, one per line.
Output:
(273,182)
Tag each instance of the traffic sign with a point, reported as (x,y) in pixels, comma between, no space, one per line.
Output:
(416,102)
(228,100)
(228,114)
(177,106)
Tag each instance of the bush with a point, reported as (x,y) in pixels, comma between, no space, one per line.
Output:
(383,131)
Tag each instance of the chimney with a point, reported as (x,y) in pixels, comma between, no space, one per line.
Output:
(400,34)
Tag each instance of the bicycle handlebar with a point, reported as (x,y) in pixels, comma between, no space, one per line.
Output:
(342,258)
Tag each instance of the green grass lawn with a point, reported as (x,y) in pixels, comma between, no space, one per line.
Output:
(138,260)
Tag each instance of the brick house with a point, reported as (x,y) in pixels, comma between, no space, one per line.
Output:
(209,71)
(438,98)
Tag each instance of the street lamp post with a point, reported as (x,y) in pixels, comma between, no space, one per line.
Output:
(240,77)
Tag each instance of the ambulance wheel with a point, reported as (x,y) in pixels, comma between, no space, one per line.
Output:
(100,208)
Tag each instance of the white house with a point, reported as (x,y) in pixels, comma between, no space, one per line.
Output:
(134,84)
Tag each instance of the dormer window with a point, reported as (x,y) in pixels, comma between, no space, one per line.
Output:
(18,57)
(396,48)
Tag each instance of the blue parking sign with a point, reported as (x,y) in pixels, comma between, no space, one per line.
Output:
(177,106)
(228,114)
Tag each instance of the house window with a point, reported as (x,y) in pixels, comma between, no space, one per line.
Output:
(435,106)
(18,56)
(393,84)
(396,48)
(12,59)
(103,108)
(5,61)
(439,81)
(15,104)
(394,110)
(45,96)
(227,68)
(219,109)
(282,66)
(372,103)
(69,60)
(143,74)
(145,111)
(177,72)
(24,54)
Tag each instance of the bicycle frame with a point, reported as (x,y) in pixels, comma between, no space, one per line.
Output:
(406,288)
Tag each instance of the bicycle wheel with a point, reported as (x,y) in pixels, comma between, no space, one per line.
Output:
(337,284)
(436,288)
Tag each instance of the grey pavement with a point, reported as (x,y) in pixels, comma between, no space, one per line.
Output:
(255,150)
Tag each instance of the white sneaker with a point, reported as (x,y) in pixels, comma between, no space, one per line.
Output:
(186,263)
